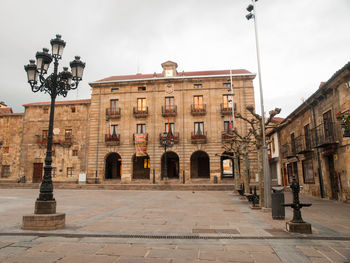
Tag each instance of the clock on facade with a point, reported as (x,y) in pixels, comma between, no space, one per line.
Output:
(168,72)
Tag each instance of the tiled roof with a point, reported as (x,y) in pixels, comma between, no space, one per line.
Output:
(12,114)
(67,102)
(5,111)
(179,74)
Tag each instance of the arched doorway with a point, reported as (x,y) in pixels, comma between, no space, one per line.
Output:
(140,167)
(172,165)
(226,163)
(200,165)
(113,166)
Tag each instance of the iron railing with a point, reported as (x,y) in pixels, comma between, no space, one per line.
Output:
(198,109)
(140,113)
(174,137)
(169,111)
(113,113)
(198,138)
(324,134)
(303,144)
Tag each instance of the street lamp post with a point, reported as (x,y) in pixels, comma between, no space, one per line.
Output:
(267,179)
(167,142)
(54,84)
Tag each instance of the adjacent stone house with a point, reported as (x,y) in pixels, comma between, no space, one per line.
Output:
(315,142)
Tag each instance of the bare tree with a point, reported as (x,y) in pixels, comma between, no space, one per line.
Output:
(256,130)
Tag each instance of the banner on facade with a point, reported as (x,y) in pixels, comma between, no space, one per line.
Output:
(141,144)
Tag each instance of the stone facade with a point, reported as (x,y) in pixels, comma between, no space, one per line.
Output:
(314,145)
(10,142)
(69,141)
(97,137)
(158,89)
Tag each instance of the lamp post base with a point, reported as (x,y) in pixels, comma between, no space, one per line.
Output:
(45,207)
(44,221)
(303,228)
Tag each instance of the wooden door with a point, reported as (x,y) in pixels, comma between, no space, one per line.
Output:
(37,172)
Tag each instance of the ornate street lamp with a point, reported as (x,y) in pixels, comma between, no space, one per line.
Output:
(55,84)
(167,142)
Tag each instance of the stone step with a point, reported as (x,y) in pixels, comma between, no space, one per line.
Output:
(136,186)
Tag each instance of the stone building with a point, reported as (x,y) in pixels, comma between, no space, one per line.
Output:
(315,142)
(194,106)
(10,142)
(69,141)
(98,137)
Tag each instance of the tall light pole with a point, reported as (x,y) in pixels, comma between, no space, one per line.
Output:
(267,178)
(57,83)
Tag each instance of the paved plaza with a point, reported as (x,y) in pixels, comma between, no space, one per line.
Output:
(169,226)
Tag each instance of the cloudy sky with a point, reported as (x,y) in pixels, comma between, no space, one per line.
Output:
(302,42)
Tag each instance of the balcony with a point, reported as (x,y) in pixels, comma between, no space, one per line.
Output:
(112,114)
(288,151)
(112,140)
(65,141)
(303,144)
(198,138)
(226,136)
(146,137)
(169,111)
(198,110)
(324,135)
(225,109)
(175,137)
(140,113)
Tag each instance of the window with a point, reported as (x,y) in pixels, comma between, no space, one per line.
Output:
(170,128)
(68,133)
(46,110)
(227,101)
(44,134)
(227,85)
(327,125)
(141,88)
(308,171)
(141,104)
(73,109)
(197,86)
(69,171)
(199,128)
(115,90)
(227,126)
(75,152)
(141,128)
(307,136)
(113,130)
(292,140)
(169,102)
(198,102)
(53,172)
(6,149)
(114,105)
(5,172)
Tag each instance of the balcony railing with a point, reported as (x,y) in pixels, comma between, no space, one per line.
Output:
(225,109)
(198,110)
(169,111)
(112,139)
(288,151)
(140,113)
(65,141)
(303,144)
(113,113)
(198,138)
(175,137)
(226,136)
(324,134)
(133,137)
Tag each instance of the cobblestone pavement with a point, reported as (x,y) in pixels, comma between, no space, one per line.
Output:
(169,226)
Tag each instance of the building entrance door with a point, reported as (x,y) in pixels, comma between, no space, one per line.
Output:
(172,165)
(113,166)
(37,172)
(200,165)
(334,179)
(141,167)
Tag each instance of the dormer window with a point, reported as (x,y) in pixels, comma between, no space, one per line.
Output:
(141,88)
(198,86)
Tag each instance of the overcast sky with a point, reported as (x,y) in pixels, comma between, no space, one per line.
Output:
(302,42)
